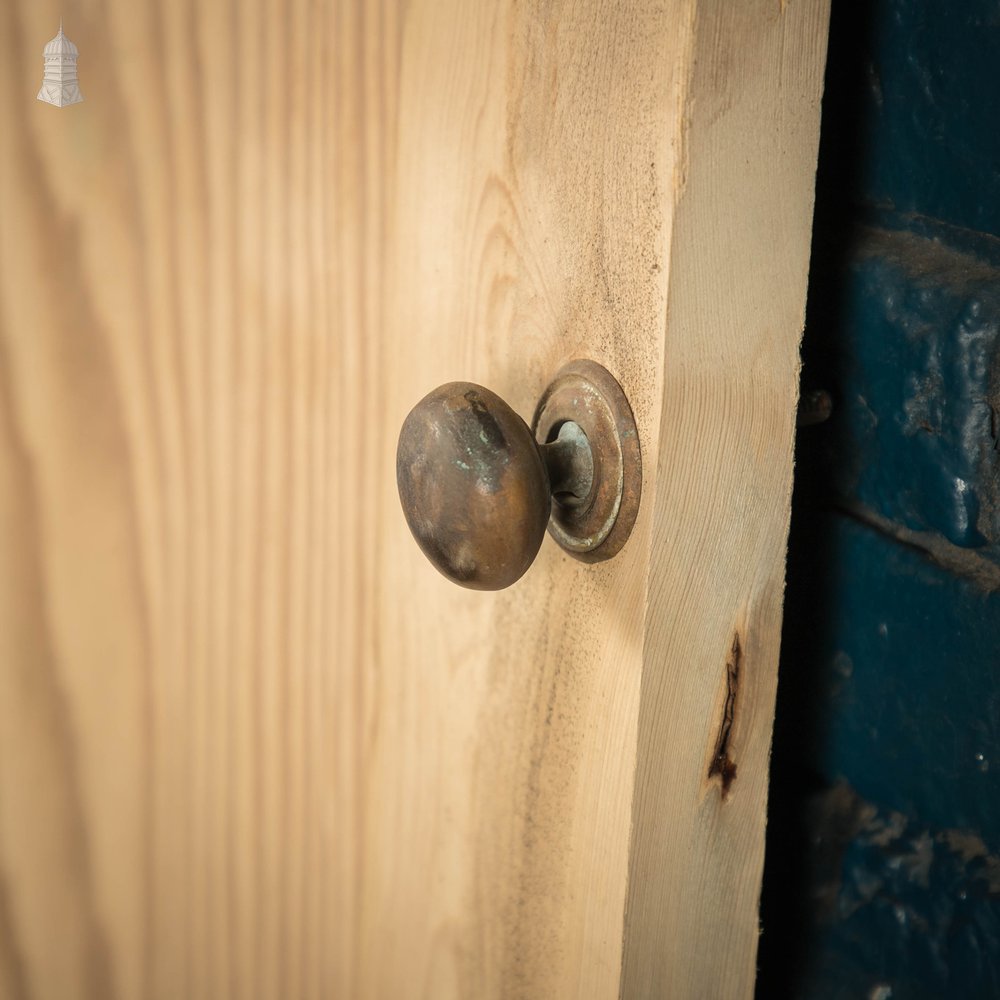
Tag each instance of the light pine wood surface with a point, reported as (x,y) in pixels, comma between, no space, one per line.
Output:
(251,745)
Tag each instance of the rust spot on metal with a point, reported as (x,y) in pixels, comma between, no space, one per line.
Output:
(722,764)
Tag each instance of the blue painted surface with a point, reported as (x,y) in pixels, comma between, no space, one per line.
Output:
(926,132)
(921,340)
(913,717)
(882,876)
(911,908)
(916,436)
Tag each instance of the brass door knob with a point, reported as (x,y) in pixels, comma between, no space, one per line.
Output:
(478,487)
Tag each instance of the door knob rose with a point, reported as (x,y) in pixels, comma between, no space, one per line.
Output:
(478,487)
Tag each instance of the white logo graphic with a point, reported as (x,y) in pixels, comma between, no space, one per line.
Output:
(60,86)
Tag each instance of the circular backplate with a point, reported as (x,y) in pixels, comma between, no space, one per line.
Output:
(588,394)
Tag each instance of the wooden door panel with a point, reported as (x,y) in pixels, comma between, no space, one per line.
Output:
(550,242)
(250,743)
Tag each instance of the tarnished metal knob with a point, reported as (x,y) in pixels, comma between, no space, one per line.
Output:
(478,487)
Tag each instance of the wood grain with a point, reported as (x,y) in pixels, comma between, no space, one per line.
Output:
(740,254)
(250,744)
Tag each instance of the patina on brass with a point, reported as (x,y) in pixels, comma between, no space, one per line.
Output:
(477,488)
(473,486)
(587,394)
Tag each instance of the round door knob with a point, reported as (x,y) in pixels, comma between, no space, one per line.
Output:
(478,487)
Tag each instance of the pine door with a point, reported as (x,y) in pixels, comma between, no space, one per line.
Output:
(251,744)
